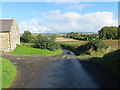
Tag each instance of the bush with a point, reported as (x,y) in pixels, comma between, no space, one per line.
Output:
(97,44)
(94,45)
(43,42)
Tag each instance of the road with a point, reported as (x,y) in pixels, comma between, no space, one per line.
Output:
(60,71)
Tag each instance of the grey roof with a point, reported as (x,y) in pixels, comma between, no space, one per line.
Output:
(5,25)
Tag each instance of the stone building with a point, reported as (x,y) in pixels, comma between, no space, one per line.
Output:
(9,35)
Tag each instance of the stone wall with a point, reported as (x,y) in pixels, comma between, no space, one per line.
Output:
(4,42)
(14,35)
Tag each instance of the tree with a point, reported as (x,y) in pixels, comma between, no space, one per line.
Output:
(26,37)
(73,35)
(108,33)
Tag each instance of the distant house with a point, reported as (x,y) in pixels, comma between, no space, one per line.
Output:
(9,35)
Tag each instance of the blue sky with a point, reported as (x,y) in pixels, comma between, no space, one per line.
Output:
(40,17)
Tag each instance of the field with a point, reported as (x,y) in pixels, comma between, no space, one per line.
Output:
(24,50)
(78,43)
(8,72)
(72,45)
(70,41)
(112,43)
(62,39)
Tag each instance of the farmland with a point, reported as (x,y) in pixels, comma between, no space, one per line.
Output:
(114,44)
(62,39)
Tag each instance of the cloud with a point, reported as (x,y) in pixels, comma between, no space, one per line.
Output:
(72,21)
(73,5)
(69,21)
(78,6)
(33,25)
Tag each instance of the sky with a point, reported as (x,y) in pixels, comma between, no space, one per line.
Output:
(61,17)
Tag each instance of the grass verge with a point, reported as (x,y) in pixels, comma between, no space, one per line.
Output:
(110,61)
(24,50)
(8,72)
(99,53)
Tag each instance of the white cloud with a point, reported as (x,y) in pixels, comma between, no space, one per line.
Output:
(73,5)
(70,21)
(78,6)
(34,26)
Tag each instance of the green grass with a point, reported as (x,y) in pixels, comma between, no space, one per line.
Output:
(8,72)
(0,73)
(24,50)
(99,53)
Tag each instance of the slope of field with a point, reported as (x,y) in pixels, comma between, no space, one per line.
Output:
(113,44)
(61,39)
(110,61)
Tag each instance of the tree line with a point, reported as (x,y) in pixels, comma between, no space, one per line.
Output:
(107,32)
(80,36)
(28,37)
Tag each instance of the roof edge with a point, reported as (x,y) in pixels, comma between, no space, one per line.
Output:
(14,19)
